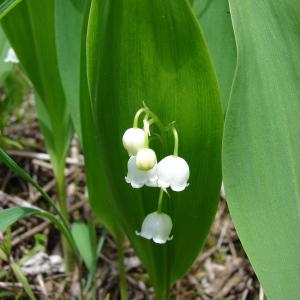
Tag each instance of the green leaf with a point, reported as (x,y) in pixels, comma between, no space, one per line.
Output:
(6,294)
(9,162)
(6,6)
(214,16)
(23,280)
(83,240)
(20,172)
(154,51)
(100,194)
(11,215)
(71,22)
(30,28)
(261,141)
(68,23)
(4,46)
(13,87)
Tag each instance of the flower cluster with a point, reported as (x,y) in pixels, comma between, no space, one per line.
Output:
(143,170)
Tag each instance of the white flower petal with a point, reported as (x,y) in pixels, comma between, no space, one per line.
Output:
(145,235)
(179,188)
(157,226)
(159,240)
(138,178)
(174,172)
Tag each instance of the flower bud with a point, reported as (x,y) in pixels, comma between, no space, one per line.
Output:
(138,178)
(145,159)
(174,172)
(133,140)
(157,226)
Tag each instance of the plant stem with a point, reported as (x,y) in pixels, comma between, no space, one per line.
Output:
(67,251)
(176,142)
(80,275)
(160,200)
(122,272)
(136,117)
(154,118)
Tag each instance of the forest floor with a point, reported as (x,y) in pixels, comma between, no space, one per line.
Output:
(221,271)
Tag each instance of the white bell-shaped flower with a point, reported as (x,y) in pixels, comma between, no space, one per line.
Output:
(133,140)
(11,57)
(145,159)
(138,178)
(174,172)
(157,226)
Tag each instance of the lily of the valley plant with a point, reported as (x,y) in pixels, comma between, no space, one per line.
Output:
(171,172)
(95,60)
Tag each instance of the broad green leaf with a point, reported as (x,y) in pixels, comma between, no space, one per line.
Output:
(68,21)
(154,51)
(6,6)
(100,194)
(261,141)
(214,17)
(83,240)
(31,30)
(71,22)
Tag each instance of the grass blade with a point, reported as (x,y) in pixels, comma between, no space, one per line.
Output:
(11,215)
(23,280)
(20,172)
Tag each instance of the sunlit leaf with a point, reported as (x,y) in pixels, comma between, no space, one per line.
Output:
(154,51)
(214,17)
(262,142)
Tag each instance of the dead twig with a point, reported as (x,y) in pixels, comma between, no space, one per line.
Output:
(45,157)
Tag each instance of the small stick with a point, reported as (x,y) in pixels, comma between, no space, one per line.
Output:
(45,157)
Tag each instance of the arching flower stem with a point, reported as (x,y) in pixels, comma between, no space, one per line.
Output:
(137,116)
(154,118)
(176,141)
(160,200)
